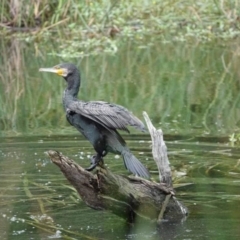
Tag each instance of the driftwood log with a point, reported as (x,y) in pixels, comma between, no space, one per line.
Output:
(127,197)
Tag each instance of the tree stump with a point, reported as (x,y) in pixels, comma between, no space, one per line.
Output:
(124,196)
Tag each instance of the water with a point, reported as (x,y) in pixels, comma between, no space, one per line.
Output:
(190,91)
(37,202)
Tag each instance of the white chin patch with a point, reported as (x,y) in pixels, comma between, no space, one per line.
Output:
(65,73)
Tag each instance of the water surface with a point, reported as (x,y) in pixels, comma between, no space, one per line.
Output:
(189,90)
(34,192)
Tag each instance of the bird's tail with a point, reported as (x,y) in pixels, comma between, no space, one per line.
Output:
(134,165)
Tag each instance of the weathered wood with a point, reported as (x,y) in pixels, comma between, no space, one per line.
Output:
(159,152)
(125,196)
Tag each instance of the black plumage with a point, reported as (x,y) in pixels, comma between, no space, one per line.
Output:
(98,121)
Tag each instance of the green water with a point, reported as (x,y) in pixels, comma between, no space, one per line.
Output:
(34,192)
(189,90)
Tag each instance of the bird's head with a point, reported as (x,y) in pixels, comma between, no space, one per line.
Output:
(63,69)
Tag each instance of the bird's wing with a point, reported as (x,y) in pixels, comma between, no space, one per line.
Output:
(109,115)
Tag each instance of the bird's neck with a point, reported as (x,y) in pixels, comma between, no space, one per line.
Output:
(71,92)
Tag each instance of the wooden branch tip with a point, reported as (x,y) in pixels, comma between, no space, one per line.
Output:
(159,152)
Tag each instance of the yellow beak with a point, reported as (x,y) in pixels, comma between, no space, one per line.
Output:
(58,71)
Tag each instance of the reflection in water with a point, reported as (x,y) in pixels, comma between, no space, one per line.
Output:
(186,88)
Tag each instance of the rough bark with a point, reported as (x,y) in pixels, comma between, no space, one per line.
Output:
(126,196)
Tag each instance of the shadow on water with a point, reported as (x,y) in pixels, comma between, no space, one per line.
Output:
(190,91)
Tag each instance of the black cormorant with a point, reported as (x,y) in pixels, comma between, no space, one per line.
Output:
(98,121)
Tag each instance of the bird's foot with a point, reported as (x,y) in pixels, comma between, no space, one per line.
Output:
(95,160)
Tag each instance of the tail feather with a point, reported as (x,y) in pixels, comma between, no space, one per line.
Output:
(134,165)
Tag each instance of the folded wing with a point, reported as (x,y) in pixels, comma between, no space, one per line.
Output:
(111,116)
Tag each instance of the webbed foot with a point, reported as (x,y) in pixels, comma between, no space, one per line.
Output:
(95,160)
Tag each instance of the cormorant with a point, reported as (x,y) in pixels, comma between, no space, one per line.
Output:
(98,121)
